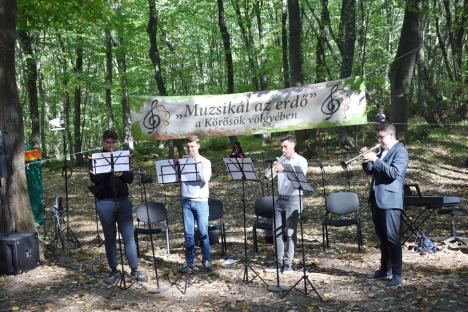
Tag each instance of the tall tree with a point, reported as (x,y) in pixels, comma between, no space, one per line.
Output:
(245,25)
(284,45)
(25,41)
(227,53)
(154,51)
(77,101)
(17,211)
(401,70)
(156,60)
(108,74)
(295,64)
(122,66)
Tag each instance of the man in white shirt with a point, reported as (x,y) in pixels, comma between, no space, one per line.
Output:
(287,203)
(195,208)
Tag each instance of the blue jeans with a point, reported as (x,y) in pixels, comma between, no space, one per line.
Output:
(110,214)
(199,211)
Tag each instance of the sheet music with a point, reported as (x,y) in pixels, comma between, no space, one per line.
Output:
(236,166)
(189,170)
(297,178)
(101,162)
(166,170)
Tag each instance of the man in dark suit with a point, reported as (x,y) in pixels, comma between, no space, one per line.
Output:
(388,169)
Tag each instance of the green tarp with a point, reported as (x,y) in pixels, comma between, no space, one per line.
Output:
(34,179)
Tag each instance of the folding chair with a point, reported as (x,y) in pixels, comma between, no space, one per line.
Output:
(215,229)
(338,206)
(264,219)
(159,222)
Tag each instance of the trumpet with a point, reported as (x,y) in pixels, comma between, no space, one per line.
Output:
(345,163)
(269,170)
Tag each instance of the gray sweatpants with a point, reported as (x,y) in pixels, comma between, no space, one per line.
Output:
(289,207)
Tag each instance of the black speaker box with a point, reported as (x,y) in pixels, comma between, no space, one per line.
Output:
(19,252)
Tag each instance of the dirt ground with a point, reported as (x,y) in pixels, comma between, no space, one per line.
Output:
(72,279)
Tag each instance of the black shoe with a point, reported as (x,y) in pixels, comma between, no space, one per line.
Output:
(380,274)
(139,276)
(272,267)
(113,277)
(397,280)
(187,268)
(207,266)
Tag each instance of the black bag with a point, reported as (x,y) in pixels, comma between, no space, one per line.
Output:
(425,245)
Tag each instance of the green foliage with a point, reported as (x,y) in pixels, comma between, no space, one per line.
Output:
(192,55)
(215,143)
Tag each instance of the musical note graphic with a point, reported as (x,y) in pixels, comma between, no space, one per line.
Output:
(331,104)
(152,120)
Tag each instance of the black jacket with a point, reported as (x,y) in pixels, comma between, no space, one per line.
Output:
(106,183)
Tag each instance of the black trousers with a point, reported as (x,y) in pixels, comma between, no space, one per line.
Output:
(387,228)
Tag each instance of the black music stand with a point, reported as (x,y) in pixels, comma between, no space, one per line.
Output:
(158,289)
(299,182)
(183,170)
(112,162)
(242,169)
(278,287)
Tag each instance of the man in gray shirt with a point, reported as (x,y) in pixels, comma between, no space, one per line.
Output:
(195,208)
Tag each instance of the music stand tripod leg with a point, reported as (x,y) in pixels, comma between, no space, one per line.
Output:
(304,277)
(278,287)
(246,257)
(158,289)
(187,270)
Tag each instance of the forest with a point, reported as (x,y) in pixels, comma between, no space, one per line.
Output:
(80,61)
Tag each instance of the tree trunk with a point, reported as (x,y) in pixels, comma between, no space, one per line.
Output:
(227,53)
(401,70)
(245,28)
(77,102)
(122,66)
(263,77)
(295,64)
(321,70)
(284,47)
(16,215)
(108,78)
(25,41)
(347,43)
(156,60)
(295,34)
(43,114)
(154,51)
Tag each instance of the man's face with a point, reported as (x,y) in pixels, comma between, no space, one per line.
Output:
(192,148)
(287,147)
(385,138)
(109,144)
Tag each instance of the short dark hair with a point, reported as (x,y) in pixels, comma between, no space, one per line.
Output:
(192,138)
(287,137)
(385,126)
(110,134)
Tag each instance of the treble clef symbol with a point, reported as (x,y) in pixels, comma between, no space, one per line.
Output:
(331,105)
(151,120)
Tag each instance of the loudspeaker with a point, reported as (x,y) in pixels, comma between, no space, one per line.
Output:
(19,252)
(5,169)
